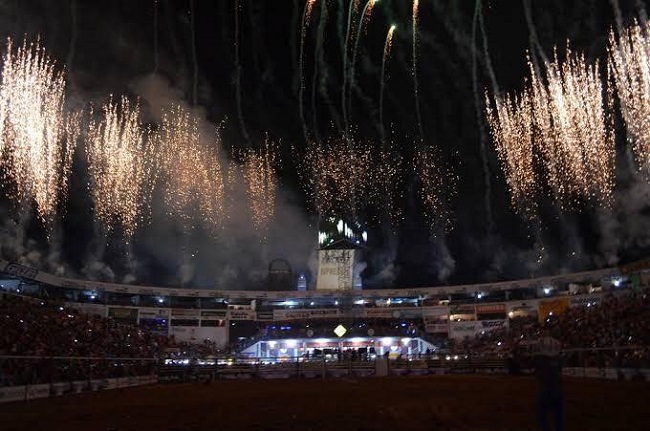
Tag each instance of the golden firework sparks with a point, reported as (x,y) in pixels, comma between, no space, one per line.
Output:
(120,163)
(193,183)
(261,183)
(437,186)
(629,65)
(37,136)
(560,119)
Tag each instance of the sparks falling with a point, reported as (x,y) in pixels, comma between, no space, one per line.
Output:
(337,176)
(629,65)
(121,165)
(37,136)
(560,119)
(259,169)
(306,19)
(192,182)
(512,128)
(436,185)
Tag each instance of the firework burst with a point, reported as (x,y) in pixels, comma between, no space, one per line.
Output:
(193,183)
(37,136)
(629,65)
(259,169)
(121,164)
(437,186)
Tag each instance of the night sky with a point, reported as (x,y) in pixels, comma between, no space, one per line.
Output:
(110,48)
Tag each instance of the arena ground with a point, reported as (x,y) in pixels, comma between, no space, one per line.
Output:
(454,403)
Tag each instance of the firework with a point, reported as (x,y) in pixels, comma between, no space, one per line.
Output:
(629,65)
(352,10)
(385,179)
(309,5)
(240,114)
(387,47)
(261,183)
(436,186)
(559,119)
(512,129)
(37,136)
(416,6)
(365,18)
(573,128)
(121,164)
(337,176)
(193,183)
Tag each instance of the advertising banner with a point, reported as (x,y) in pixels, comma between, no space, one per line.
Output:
(386,313)
(556,305)
(460,330)
(491,308)
(490,325)
(241,315)
(321,313)
(335,269)
(124,314)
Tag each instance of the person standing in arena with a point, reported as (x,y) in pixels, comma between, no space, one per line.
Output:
(548,371)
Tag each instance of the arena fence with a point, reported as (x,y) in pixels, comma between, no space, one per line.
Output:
(29,377)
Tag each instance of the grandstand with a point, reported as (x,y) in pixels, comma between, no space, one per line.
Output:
(283,324)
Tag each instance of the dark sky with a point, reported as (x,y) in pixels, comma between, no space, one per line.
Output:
(109,47)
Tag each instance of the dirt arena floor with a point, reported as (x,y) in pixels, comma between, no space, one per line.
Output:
(454,403)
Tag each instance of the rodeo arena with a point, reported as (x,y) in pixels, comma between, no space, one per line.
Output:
(460,357)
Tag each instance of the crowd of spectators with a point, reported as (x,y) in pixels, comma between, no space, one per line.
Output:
(34,328)
(612,332)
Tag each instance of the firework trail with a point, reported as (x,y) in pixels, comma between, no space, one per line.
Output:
(354,5)
(73,35)
(319,66)
(364,19)
(532,35)
(479,121)
(306,19)
(387,47)
(195,64)
(37,136)
(155,37)
(629,66)
(259,169)
(240,115)
(618,16)
(121,164)
(416,5)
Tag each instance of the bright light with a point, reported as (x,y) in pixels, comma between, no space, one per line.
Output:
(405,341)
(616,282)
(511,314)
(356,339)
(321,340)
(160,300)
(272,344)
(340,330)
(359,302)
(387,341)
(290,344)
(547,290)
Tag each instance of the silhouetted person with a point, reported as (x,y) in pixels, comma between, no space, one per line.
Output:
(548,370)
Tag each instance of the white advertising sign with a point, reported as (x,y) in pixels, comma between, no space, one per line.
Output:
(335,269)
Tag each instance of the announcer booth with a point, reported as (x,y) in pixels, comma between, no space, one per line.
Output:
(338,347)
